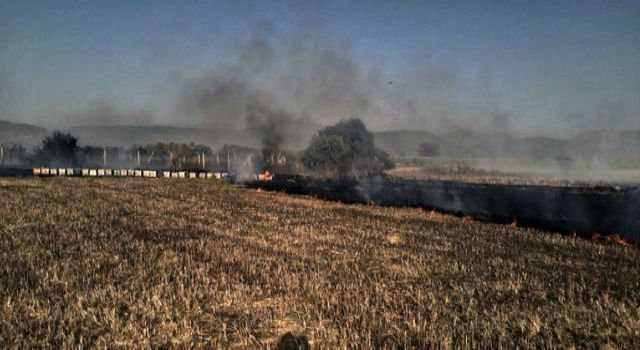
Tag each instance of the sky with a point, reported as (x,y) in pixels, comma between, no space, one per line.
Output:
(533,67)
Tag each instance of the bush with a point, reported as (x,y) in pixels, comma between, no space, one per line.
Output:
(346,149)
(58,150)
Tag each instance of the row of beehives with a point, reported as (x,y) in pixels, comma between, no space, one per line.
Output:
(130,173)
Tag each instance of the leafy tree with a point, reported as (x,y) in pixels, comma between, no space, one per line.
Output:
(345,149)
(58,150)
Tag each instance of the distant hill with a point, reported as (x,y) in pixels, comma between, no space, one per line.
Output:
(22,134)
(296,135)
(593,148)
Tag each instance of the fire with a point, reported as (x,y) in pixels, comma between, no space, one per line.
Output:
(617,239)
(266,176)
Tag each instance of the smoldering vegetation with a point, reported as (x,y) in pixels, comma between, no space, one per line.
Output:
(134,263)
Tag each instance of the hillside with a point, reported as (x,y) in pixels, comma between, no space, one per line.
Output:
(296,135)
(22,134)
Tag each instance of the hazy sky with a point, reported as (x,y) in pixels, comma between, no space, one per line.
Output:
(541,66)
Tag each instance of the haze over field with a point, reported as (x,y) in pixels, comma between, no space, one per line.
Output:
(540,68)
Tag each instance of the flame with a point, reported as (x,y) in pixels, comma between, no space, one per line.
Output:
(617,239)
(266,176)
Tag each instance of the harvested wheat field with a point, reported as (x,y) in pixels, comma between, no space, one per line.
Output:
(134,263)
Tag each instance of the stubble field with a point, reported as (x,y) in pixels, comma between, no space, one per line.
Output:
(139,263)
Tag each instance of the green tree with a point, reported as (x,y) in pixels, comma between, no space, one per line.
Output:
(58,150)
(346,149)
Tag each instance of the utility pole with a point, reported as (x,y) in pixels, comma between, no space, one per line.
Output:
(138,158)
(170,159)
(104,157)
(217,161)
(204,162)
(1,154)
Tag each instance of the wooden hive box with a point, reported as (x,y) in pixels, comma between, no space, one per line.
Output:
(100,172)
(62,171)
(166,174)
(202,175)
(70,172)
(85,172)
(93,172)
(138,173)
(37,171)
(182,174)
(192,175)
(108,172)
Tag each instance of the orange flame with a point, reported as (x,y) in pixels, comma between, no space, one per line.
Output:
(617,239)
(266,176)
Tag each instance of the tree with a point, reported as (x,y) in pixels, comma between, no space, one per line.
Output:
(345,149)
(58,150)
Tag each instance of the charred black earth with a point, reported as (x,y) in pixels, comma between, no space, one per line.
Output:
(584,210)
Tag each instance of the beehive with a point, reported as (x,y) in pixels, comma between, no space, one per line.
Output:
(36,171)
(100,172)
(202,175)
(93,172)
(174,174)
(108,172)
(131,172)
(192,175)
(62,171)
(123,172)
(85,172)
(53,171)
(217,175)
(182,174)
(70,172)
(210,175)
(166,174)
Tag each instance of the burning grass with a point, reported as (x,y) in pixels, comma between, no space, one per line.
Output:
(134,263)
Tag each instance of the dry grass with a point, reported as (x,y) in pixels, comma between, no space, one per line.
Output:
(133,263)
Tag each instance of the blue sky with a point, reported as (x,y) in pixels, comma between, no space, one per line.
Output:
(551,66)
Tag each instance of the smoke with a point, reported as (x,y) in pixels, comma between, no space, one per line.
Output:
(105,112)
(267,125)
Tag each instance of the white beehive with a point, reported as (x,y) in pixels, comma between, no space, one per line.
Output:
(123,172)
(138,173)
(217,175)
(53,171)
(192,175)
(108,172)
(85,172)
(69,172)
(210,175)
(131,172)
(182,174)
(202,175)
(93,172)
(37,171)
(166,174)
(62,171)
